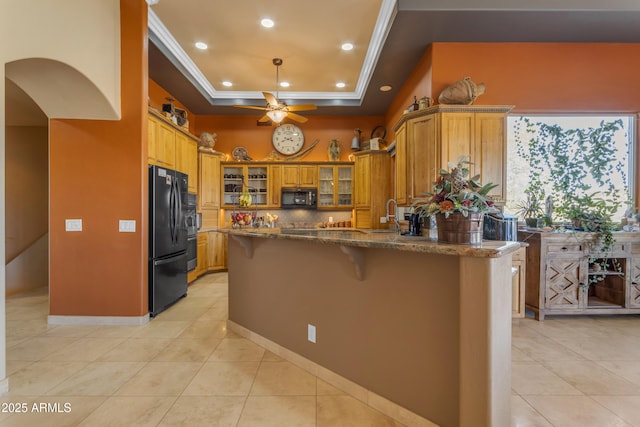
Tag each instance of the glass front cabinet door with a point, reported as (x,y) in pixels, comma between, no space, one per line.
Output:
(239,179)
(335,187)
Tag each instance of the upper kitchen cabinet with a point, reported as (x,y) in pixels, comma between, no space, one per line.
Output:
(187,159)
(372,188)
(162,143)
(335,187)
(426,140)
(172,148)
(252,178)
(209,189)
(300,175)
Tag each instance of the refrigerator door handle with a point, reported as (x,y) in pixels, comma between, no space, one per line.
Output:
(164,261)
(172,212)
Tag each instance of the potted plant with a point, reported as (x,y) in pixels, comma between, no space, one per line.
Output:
(458,204)
(531,210)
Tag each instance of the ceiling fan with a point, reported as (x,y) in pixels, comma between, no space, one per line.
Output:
(277,110)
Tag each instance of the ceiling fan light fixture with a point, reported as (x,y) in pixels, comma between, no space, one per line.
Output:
(276,116)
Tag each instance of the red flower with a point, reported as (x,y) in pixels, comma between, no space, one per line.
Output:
(466,203)
(447,205)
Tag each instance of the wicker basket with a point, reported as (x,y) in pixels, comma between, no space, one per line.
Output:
(459,228)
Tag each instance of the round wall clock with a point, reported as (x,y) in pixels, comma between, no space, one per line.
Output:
(288,139)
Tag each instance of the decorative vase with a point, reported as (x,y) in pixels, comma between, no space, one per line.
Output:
(458,228)
(334,150)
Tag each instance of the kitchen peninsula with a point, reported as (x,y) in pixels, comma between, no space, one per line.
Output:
(402,323)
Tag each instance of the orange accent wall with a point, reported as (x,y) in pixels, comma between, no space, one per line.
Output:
(98,172)
(233,131)
(534,77)
(157,97)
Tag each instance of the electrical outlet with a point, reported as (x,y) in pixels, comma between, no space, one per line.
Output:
(311,333)
(73,225)
(383,220)
(127,226)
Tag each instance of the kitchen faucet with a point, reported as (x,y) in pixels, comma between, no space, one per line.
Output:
(395,212)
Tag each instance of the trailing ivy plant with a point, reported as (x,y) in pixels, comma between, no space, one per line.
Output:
(562,160)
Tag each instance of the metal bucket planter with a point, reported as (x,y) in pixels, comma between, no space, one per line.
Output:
(461,229)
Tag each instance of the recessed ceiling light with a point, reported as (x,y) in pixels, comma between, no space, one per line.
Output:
(385,88)
(340,85)
(347,46)
(201,45)
(227,83)
(284,84)
(267,23)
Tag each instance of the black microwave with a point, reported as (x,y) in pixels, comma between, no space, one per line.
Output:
(299,198)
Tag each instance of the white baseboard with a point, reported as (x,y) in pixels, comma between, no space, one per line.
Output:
(99,320)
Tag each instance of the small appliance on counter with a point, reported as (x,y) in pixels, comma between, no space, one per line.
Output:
(299,198)
(500,226)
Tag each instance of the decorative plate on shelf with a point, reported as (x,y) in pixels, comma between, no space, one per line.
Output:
(240,153)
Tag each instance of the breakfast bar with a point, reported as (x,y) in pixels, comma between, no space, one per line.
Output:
(418,329)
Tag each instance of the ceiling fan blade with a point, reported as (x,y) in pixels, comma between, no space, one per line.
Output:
(250,107)
(264,119)
(296,117)
(272,100)
(302,107)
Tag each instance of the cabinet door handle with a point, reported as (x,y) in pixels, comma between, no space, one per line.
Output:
(634,283)
(564,249)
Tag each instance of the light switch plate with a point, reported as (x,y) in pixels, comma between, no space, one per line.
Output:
(127,226)
(73,224)
(311,333)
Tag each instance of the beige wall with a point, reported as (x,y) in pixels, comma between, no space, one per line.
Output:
(26,198)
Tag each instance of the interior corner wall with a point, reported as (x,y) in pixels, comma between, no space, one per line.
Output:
(27,197)
(99,174)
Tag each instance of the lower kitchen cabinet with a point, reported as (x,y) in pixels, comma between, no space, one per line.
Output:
(216,251)
(203,262)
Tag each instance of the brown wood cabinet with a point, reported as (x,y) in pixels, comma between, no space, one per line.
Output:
(335,187)
(203,263)
(300,175)
(372,188)
(209,189)
(187,159)
(216,251)
(427,140)
(172,148)
(564,274)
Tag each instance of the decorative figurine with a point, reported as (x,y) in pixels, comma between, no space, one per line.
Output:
(207,142)
(463,92)
(334,150)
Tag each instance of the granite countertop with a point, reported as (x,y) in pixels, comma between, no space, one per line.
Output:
(380,239)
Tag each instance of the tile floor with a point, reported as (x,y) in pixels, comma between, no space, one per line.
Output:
(185,369)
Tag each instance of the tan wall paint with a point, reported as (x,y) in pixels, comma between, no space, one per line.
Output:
(82,34)
(380,332)
(99,174)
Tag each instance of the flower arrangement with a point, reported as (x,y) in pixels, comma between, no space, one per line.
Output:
(453,192)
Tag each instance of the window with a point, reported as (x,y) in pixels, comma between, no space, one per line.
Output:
(619,154)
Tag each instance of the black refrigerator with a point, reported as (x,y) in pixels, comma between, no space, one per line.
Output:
(167,238)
